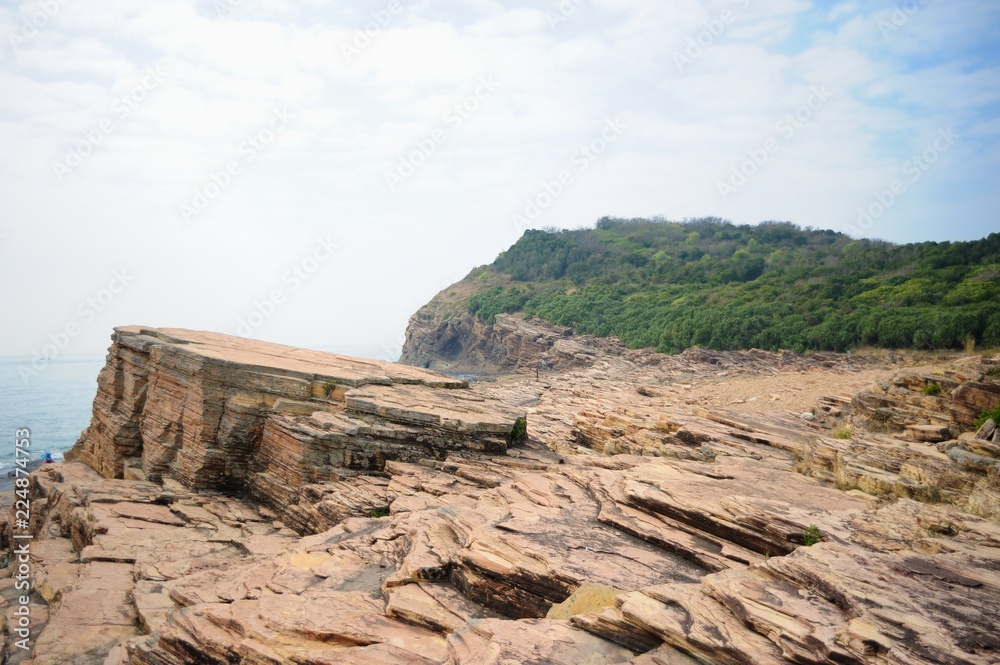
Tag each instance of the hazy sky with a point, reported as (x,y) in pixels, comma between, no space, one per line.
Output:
(332,165)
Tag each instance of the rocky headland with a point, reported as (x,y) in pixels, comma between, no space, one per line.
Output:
(240,502)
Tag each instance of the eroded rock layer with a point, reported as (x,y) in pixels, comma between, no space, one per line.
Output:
(440,338)
(631,527)
(221,413)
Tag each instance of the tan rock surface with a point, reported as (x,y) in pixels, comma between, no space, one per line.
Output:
(632,527)
(222,413)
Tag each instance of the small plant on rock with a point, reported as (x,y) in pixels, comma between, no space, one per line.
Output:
(804,457)
(932,390)
(520,431)
(842,433)
(993,415)
(811,535)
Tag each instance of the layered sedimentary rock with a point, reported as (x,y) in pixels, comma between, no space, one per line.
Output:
(461,343)
(704,560)
(927,449)
(934,404)
(442,335)
(629,527)
(220,413)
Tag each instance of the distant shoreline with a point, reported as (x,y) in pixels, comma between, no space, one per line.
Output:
(14,360)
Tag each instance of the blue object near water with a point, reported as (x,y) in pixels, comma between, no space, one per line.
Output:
(55,405)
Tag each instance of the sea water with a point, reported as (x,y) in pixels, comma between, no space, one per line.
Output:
(55,404)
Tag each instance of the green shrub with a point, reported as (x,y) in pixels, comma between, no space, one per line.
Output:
(993,415)
(520,431)
(710,283)
(842,433)
(932,389)
(811,535)
(498,300)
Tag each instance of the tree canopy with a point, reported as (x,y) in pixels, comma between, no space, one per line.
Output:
(710,283)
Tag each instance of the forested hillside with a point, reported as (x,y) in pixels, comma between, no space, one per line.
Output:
(710,283)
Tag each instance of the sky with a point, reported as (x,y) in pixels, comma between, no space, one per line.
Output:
(313,172)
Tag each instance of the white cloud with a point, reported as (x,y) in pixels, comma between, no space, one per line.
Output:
(844,9)
(356,117)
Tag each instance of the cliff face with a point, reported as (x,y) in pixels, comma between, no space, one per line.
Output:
(219,413)
(464,344)
(442,339)
(443,336)
(631,526)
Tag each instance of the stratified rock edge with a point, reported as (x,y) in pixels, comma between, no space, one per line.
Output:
(439,535)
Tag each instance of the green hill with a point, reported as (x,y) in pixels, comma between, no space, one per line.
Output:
(713,284)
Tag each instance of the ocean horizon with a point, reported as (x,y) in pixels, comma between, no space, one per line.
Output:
(55,402)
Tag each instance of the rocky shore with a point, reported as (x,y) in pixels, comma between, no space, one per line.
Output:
(234,501)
